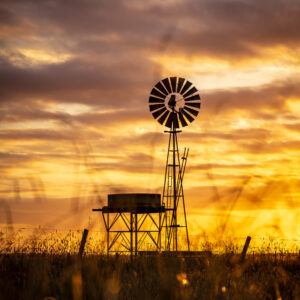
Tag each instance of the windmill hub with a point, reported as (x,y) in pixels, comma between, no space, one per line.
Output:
(174,102)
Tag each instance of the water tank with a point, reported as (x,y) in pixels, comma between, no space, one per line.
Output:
(133,201)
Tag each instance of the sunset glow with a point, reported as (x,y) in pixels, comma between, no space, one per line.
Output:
(75,122)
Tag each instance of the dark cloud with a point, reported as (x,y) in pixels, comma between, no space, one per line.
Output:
(132,163)
(18,113)
(233,28)
(220,28)
(37,134)
(272,96)
(233,134)
(115,118)
(196,167)
(294,126)
(11,160)
(73,81)
(111,43)
(7,17)
(252,102)
(264,147)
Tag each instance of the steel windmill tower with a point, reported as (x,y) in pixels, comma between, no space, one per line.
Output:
(174,102)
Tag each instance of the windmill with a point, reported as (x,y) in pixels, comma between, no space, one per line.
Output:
(130,219)
(174,102)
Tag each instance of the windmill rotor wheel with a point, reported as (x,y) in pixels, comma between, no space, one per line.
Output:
(174,102)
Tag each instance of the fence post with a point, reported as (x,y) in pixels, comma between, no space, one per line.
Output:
(83,240)
(247,242)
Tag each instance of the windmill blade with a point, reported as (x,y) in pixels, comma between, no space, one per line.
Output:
(160,87)
(180,84)
(192,98)
(182,120)
(175,120)
(173,84)
(169,120)
(163,117)
(157,113)
(156,106)
(155,100)
(188,116)
(172,118)
(186,87)
(190,92)
(167,84)
(192,111)
(155,92)
(193,104)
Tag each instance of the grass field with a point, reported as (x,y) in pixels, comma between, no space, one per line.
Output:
(50,276)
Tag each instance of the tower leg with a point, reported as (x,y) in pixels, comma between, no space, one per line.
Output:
(107,233)
(173,192)
(136,233)
(174,189)
(131,234)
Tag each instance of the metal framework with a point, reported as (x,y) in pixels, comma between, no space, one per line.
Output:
(173,191)
(125,230)
(174,102)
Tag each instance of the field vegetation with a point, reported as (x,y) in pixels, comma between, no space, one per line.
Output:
(65,276)
(49,267)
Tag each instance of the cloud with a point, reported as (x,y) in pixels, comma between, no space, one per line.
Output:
(294,127)
(111,45)
(256,147)
(272,96)
(234,28)
(139,163)
(101,56)
(36,134)
(9,160)
(197,167)
(7,17)
(218,28)
(16,113)
(72,81)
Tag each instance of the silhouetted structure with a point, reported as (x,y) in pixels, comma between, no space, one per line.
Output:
(124,219)
(174,103)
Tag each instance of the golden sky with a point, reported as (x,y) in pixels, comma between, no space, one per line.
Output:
(75,78)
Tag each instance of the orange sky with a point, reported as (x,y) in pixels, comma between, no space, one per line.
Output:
(75,78)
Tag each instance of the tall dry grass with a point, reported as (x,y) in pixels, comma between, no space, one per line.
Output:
(49,276)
